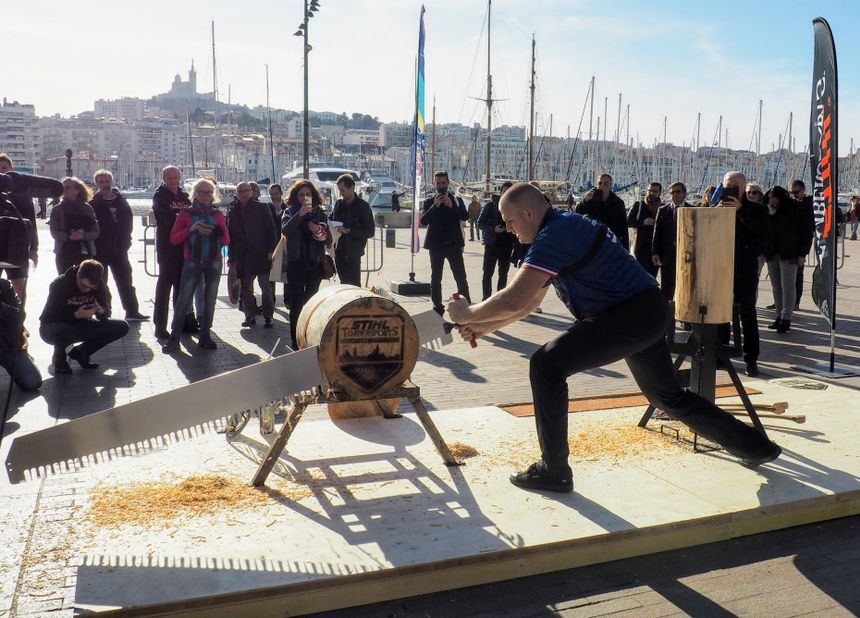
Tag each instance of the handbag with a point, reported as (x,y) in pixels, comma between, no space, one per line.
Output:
(328,268)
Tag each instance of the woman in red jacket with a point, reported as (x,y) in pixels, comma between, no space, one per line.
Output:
(202,230)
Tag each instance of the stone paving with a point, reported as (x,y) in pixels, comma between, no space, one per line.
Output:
(36,514)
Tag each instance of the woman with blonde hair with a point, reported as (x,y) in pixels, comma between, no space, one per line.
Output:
(202,231)
(73,225)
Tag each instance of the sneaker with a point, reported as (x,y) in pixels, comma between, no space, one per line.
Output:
(268,323)
(772,453)
(83,359)
(784,327)
(537,476)
(538,309)
(248,323)
(751,369)
(775,324)
(171,346)
(136,317)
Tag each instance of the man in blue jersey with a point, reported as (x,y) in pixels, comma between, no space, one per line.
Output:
(620,314)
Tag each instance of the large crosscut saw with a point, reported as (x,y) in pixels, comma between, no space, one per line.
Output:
(137,426)
(182,412)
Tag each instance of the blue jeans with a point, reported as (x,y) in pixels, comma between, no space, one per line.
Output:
(193,272)
(27,377)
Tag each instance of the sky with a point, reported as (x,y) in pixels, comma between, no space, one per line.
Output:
(667,59)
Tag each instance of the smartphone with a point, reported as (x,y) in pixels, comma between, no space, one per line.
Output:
(730,192)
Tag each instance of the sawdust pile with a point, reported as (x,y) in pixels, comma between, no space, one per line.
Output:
(607,442)
(156,502)
(461,450)
(623,441)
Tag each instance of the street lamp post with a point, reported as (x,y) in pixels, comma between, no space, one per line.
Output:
(310,8)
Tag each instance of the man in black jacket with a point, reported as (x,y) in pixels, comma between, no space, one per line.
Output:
(115,224)
(24,206)
(443,215)
(356,228)
(607,208)
(252,240)
(807,212)
(13,342)
(750,228)
(664,247)
(498,243)
(75,298)
(168,200)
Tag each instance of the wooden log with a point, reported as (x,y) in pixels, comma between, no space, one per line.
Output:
(705,265)
(367,344)
(359,409)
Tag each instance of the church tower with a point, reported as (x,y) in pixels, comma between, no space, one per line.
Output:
(192,79)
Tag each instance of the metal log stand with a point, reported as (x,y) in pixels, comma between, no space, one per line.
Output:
(707,354)
(300,403)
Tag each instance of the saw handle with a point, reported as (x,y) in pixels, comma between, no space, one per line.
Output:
(472,342)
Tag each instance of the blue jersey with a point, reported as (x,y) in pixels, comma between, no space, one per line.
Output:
(611,275)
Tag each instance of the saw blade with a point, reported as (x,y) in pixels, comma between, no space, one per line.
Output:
(136,426)
(431,330)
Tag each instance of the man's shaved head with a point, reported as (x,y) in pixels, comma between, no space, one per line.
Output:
(523,195)
(523,208)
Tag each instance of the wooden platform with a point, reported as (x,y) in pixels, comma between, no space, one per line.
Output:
(367,511)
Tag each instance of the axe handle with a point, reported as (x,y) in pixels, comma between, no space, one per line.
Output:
(799,418)
(472,342)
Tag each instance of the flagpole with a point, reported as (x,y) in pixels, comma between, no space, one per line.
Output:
(418,148)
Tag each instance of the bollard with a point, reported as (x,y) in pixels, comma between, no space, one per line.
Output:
(389,238)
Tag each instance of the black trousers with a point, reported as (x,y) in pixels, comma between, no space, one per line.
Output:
(667,280)
(633,330)
(166,286)
(454,255)
(303,283)
(745,287)
(348,268)
(95,334)
(496,254)
(799,284)
(120,268)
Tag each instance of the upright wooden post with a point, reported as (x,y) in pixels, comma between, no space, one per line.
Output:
(705,265)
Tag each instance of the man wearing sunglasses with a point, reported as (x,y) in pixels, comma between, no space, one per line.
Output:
(798,192)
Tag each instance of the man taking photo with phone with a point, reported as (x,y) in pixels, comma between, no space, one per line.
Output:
(75,312)
(443,215)
(750,227)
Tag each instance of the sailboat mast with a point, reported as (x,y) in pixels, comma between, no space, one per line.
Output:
(271,137)
(590,154)
(531,145)
(190,141)
(489,98)
(214,97)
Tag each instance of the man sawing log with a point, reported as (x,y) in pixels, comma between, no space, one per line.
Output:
(620,314)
